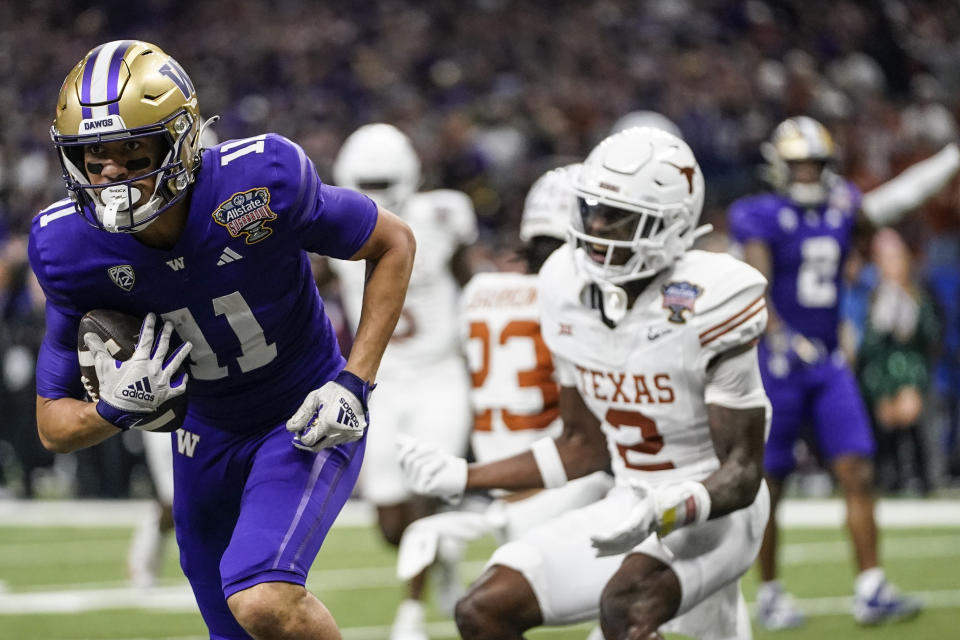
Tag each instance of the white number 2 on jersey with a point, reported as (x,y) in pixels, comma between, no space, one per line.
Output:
(205,364)
(816,278)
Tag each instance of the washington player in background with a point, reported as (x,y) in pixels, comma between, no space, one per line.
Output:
(150,223)
(425,380)
(514,393)
(799,237)
(653,345)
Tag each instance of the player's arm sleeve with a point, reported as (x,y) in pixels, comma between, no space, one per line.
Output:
(731,314)
(58,370)
(328,220)
(734,381)
(889,202)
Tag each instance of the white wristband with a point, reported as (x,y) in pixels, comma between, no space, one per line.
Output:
(549,463)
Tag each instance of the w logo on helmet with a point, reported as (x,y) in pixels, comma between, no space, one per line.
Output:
(175,72)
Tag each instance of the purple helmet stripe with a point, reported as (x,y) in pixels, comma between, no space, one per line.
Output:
(87,82)
(113,75)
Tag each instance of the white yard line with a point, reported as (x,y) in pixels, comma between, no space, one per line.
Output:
(178,597)
(814,607)
(793,554)
(793,513)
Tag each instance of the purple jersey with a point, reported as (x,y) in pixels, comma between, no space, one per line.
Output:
(807,247)
(237,284)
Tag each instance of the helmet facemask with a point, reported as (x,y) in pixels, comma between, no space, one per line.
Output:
(389,193)
(121,206)
(379,161)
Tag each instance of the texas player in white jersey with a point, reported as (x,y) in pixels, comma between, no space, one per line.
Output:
(428,391)
(514,393)
(654,349)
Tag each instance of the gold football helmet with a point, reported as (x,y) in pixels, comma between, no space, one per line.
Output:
(121,90)
(796,140)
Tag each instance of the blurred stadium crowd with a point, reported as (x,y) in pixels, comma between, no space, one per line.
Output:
(494,92)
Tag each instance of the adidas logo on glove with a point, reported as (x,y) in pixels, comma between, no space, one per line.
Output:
(347,417)
(139,391)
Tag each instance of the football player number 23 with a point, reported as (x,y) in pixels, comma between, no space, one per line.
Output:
(205,364)
(539,377)
(651,444)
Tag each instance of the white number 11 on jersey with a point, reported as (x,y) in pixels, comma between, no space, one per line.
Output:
(205,364)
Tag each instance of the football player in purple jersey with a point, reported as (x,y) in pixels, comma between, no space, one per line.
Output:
(798,236)
(213,243)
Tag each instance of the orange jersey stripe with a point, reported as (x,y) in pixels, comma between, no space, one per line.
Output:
(703,343)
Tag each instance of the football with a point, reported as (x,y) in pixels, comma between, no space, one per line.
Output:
(120,333)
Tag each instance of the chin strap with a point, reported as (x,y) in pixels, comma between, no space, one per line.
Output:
(610,300)
(203,127)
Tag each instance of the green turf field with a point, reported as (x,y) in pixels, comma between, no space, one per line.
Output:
(68,583)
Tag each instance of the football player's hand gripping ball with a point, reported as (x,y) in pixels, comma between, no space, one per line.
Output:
(430,471)
(334,414)
(132,390)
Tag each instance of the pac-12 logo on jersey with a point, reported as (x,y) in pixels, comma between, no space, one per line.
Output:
(679,297)
(246,213)
(122,276)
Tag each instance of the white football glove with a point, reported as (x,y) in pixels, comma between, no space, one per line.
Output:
(659,510)
(430,471)
(131,390)
(422,539)
(636,526)
(334,414)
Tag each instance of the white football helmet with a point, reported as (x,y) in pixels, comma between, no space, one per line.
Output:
(640,195)
(800,139)
(550,205)
(646,118)
(379,161)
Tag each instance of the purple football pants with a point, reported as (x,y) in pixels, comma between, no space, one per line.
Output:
(252,509)
(826,397)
